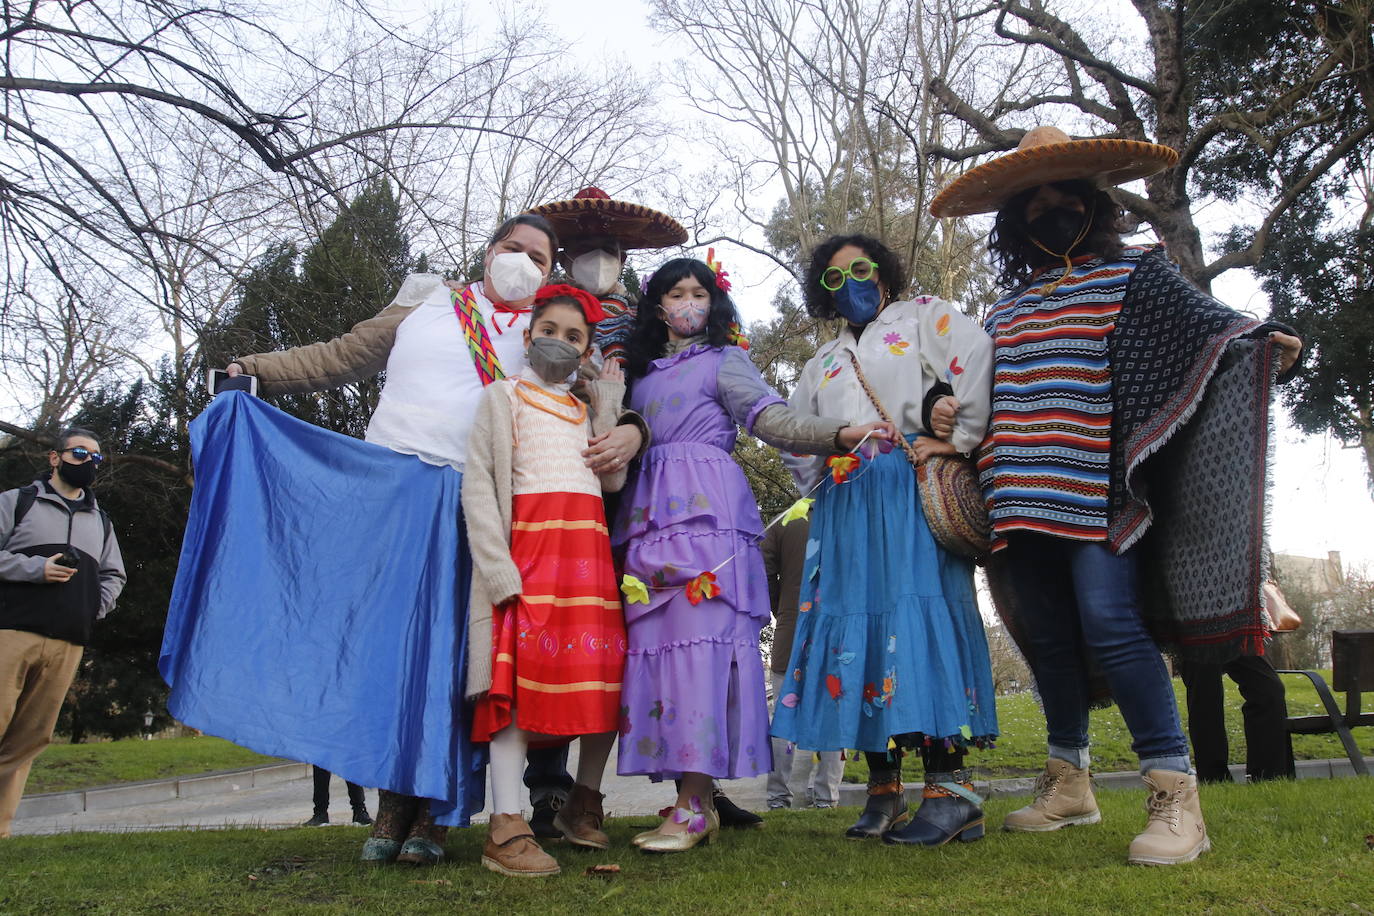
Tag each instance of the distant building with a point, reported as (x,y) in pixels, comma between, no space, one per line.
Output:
(1319,577)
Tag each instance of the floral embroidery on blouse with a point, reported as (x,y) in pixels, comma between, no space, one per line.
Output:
(895,345)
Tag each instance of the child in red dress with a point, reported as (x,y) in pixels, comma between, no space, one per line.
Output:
(547,631)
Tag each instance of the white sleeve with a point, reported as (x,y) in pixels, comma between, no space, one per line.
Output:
(958,352)
(806,469)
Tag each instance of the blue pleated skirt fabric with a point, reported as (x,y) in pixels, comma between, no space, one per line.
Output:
(320,605)
(889,641)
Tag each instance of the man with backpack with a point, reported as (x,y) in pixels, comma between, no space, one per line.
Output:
(60,570)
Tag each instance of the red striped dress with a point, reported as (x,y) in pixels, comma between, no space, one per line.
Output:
(558,651)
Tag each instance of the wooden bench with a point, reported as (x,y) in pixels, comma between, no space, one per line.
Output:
(1352,672)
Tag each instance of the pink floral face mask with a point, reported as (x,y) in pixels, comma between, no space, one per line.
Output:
(687,317)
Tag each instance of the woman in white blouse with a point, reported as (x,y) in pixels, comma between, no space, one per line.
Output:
(889,651)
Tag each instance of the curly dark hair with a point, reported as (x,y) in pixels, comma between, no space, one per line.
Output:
(1016,257)
(649,336)
(820,302)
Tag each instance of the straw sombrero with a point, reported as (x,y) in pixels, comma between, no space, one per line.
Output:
(592,212)
(1046,155)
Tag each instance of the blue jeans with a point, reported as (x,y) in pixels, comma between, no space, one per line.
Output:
(1078,593)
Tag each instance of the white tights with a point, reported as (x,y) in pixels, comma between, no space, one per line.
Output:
(508,747)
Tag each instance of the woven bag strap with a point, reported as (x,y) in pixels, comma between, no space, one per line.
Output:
(906,446)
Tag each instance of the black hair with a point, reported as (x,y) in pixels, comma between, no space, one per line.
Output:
(820,302)
(72,432)
(1014,254)
(649,336)
(533,220)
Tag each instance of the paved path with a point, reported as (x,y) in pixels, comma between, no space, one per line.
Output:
(287,804)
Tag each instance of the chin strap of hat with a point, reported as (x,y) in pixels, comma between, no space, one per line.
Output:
(1067,255)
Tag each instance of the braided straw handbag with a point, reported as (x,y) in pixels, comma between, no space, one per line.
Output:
(947,486)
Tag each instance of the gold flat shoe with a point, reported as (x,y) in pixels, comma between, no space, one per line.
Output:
(658,841)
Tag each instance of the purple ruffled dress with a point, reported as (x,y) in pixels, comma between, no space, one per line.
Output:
(693,698)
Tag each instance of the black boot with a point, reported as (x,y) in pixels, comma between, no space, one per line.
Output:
(732,815)
(948,810)
(885,809)
(546,808)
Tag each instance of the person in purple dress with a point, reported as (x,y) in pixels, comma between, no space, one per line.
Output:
(692,703)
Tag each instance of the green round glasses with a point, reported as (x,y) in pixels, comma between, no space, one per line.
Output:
(860,269)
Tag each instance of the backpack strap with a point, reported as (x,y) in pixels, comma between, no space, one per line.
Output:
(24,503)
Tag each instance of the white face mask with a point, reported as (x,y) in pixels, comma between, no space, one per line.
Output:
(596,271)
(513,276)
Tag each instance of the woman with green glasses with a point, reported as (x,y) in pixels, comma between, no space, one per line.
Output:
(889,651)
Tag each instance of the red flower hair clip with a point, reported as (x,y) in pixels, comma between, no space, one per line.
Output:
(717,268)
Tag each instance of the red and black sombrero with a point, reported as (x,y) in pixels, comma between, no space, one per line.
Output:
(591,212)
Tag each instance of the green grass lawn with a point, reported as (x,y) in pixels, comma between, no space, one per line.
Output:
(1021,748)
(1277,848)
(65,767)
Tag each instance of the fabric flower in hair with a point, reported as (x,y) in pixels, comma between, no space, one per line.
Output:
(737,337)
(717,268)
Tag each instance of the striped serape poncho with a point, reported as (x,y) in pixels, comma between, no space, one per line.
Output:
(1045,462)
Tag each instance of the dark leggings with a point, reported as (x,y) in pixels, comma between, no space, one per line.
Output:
(322,777)
(886,766)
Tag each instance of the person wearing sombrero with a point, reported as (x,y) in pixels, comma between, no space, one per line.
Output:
(1125,466)
(597,233)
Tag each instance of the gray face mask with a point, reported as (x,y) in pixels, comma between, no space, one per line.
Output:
(553,359)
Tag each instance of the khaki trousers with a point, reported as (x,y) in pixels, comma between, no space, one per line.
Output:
(35,672)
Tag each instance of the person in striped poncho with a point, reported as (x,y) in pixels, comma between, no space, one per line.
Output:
(1103,354)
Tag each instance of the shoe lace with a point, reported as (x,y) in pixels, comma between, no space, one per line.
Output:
(1163,805)
(1046,784)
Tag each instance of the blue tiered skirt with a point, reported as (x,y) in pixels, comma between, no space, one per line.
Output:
(889,641)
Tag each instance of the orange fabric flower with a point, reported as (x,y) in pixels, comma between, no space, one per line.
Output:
(702,587)
(841,466)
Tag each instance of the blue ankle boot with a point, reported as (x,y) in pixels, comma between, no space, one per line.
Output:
(949,810)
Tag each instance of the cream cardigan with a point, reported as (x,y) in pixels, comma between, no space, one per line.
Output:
(487,510)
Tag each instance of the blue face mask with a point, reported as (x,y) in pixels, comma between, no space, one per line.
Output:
(858,300)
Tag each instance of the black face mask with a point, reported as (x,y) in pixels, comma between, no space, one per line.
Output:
(1057,229)
(80,476)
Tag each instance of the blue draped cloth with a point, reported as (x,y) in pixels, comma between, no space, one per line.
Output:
(320,605)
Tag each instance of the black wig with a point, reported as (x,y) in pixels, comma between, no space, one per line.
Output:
(649,337)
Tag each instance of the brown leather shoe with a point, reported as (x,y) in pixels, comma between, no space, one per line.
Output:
(581,817)
(512,849)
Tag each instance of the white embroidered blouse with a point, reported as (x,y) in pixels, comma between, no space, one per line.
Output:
(904,351)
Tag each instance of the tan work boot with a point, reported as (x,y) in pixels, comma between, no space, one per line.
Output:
(512,849)
(1063,797)
(1175,832)
(581,817)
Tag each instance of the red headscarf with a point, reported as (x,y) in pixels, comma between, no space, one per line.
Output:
(591,306)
